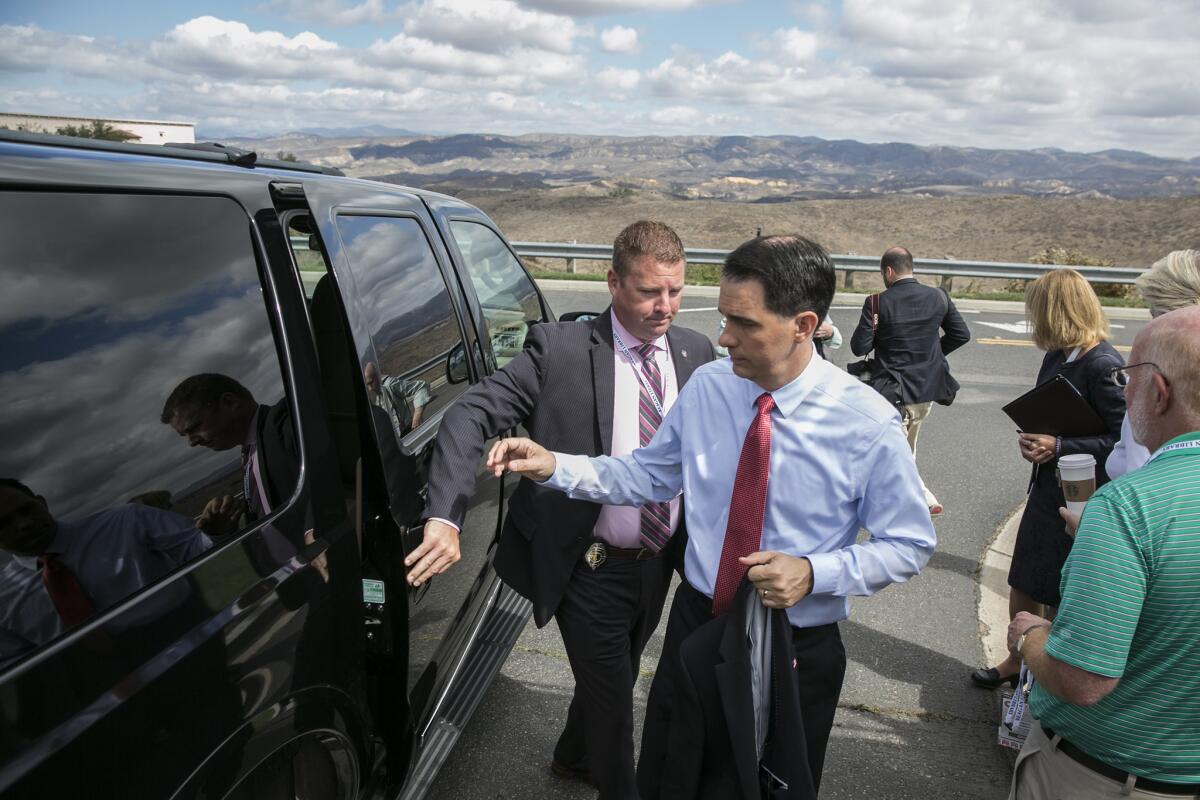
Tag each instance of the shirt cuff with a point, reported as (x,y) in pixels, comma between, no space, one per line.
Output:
(826,567)
(446,521)
(566,471)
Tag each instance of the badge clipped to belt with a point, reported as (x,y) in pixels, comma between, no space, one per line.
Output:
(595,555)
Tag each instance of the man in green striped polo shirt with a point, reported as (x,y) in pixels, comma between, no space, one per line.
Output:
(1117,674)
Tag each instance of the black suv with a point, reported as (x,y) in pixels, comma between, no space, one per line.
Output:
(221,379)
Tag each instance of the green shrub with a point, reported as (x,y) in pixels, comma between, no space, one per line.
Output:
(1074,258)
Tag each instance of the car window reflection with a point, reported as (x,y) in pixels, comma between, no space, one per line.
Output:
(110,303)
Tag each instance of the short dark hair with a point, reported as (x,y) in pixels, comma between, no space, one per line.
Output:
(202,391)
(13,483)
(796,273)
(642,238)
(899,259)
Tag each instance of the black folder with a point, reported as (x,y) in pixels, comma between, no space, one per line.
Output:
(1055,408)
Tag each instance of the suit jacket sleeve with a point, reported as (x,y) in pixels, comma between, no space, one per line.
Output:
(490,407)
(1108,400)
(955,332)
(863,340)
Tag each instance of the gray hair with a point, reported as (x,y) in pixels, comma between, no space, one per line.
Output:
(1172,282)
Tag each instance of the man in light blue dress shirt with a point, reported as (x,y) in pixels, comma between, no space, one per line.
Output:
(839,462)
(112,553)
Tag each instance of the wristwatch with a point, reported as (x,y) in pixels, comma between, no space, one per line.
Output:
(1021,639)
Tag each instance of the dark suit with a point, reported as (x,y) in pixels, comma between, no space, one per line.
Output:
(711,750)
(561,389)
(278,455)
(820,666)
(907,342)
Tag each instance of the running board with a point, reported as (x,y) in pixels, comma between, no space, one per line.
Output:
(496,638)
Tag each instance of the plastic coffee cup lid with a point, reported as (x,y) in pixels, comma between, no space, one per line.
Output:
(1077,461)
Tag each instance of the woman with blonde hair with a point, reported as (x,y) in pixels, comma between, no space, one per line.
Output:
(1068,323)
(1171,282)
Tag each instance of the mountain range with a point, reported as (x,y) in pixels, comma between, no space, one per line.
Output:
(744,168)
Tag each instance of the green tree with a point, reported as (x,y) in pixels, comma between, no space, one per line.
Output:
(289,156)
(98,129)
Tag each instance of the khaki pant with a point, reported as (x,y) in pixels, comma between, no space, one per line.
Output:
(914,415)
(1044,773)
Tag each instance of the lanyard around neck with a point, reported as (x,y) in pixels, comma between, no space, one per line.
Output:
(641,374)
(1166,448)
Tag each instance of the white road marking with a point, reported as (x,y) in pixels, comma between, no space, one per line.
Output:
(1011,327)
(685,310)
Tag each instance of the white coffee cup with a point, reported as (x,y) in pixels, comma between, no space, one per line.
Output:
(1077,476)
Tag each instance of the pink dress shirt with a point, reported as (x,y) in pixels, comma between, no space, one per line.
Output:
(619,525)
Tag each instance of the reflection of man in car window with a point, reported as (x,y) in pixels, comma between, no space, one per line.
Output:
(403,399)
(63,572)
(215,411)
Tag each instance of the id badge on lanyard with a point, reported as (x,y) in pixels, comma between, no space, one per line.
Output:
(1020,699)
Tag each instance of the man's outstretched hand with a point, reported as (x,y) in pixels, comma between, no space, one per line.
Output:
(522,456)
(436,553)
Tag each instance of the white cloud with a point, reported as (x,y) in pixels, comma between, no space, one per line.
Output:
(223,48)
(492,27)
(333,12)
(502,102)
(1075,74)
(581,8)
(619,40)
(618,80)
(28,48)
(794,45)
(676,115)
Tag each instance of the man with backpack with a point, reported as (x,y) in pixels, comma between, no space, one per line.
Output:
(911,328)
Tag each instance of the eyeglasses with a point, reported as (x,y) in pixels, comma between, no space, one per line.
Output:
(1120,375)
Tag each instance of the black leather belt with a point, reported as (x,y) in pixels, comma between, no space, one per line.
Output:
(1119,775)
(631,553)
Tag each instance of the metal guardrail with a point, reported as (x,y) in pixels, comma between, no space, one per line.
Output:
(947,268)
(852,263)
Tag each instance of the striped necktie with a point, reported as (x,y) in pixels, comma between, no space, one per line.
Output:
(656,517)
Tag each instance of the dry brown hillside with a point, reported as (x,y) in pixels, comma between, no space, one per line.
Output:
(1125,232)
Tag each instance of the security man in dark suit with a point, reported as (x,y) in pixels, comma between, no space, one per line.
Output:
(590,387)
(216,411)
(908,344)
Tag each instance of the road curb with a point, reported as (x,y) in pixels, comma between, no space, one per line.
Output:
(993,589)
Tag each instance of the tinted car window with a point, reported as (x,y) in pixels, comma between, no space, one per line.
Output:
(409,317)
(111,302)
(505,292)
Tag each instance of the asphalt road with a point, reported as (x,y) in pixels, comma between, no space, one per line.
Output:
(909,724)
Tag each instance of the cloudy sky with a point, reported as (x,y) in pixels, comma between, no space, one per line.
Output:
(1078,74)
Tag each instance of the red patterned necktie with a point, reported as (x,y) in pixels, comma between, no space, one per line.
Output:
(747,507)
(69,599)
(655,526)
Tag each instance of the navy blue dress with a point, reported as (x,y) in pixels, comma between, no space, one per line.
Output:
(1042,541)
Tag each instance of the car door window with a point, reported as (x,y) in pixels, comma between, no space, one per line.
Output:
(507,295)
(144,416)
(409,316)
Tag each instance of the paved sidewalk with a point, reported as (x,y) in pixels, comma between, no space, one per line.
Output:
(993,589)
